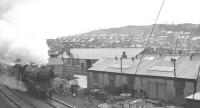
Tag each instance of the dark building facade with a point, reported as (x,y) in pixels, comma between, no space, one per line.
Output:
(80,60)
(78,66)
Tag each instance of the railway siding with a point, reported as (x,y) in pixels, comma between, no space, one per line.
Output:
(15,98)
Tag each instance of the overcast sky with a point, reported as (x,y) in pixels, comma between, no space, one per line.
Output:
(65,17)
(26,24)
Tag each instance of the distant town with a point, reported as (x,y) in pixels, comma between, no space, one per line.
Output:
(164,36)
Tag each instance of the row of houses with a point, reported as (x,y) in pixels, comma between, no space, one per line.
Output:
(169,77)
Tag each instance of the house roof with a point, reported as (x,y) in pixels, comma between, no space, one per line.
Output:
(55,61)
(158,66)
(100,53)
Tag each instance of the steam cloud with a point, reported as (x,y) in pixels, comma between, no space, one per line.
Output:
(16,40)
(11,82)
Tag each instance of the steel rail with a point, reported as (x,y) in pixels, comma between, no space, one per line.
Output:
(52,105)
(21,97)
(61,102)
(12,100)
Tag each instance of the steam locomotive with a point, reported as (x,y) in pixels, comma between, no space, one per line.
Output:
(37,80)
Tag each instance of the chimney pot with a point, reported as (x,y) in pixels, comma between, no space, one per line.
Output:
(190,57)
(124,55)
(172,59)
(132,58)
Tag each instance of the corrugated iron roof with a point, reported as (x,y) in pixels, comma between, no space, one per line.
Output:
(184,67)
(100,53)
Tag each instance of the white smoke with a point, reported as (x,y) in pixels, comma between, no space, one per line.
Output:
(17,39)
(11,82)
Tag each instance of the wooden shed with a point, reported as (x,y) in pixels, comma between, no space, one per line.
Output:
(155,78)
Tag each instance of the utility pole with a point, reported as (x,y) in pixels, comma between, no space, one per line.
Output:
(121,71)
(176,34)
(195,83)
(121,41)
(121,64)
(174,60)
(63,65)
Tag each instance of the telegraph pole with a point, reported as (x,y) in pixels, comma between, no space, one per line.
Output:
(121,64)
(63,65)
(174,60)
(195,83)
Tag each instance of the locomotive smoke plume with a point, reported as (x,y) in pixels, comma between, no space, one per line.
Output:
(18,41)
(11,82)
(8,80)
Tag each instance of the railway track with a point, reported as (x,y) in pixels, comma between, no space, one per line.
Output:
(21,102)
(15,98)
(56,103)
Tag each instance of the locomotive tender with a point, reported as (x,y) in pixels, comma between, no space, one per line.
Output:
(36,79)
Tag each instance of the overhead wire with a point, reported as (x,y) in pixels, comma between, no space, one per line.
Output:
(150,35)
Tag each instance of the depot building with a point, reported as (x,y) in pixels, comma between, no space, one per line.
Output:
(164,77)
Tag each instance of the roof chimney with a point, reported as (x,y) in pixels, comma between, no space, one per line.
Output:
(191,57)
(180,52)
(116,58)
(172,59)
(124,55)
(132,58)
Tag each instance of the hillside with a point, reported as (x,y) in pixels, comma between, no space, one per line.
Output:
(140,30)
(164,35)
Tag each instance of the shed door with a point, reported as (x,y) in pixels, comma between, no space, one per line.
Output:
(152,90)
(130,80)
(161,90)
(82,67)
(112,82)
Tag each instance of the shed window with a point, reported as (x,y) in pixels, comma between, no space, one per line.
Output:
(77,62)
(179,83)
(179,88)
(82,67)
(73,62)
(130,80)
(179,93)
(95,77)
(112,83)
(68,61)
(112,77)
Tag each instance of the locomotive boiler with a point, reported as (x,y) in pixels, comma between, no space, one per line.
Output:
(38,80)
